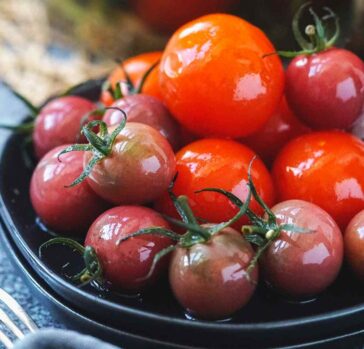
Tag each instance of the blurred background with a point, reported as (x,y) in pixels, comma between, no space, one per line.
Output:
(48,45)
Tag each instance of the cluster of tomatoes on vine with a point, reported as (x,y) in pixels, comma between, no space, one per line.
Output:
(204,108)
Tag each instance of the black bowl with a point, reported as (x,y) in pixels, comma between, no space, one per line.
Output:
(267,321)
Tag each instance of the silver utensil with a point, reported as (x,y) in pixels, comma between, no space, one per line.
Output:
(14,307)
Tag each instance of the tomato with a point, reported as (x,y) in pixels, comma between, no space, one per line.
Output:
(326,90)
(325,168)
(166,16)
(217,163)
(215,80)
(59,122)
(210,280)
(139,168)
(65,210)
(126,264)
(354,245)
(146,110)
(302,265)
(136,67)
(282,127)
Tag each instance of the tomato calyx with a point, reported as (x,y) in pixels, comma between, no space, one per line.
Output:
(318,35)
(264,231)
(127,87)
(99,144)
(92,270)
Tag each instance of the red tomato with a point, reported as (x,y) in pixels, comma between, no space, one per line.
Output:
(146,110)
(138,170)
(326,90)
(215,80)
(302,265)
(167,16)
(65,210)
(125,264)
(220,164)
(354,245)
(210,279)
(325,168)
(59,122)
(136,67)
(282,127)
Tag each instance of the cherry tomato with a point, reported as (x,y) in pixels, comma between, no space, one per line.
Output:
(138,170)
(354,245)
(325,168)
(210,280)
(125,264)
(302,265)
(215,80)
(326,90)
(166,16)
(59,122)
(282,127)
(136,67)
(146,110)
(217,163)
(65,210)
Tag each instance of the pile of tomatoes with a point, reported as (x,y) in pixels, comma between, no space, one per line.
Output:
(270,177)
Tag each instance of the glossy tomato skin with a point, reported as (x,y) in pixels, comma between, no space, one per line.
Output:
(282,127)
(326,90)
(325,168)
(217,163)
(125,264)
(166,16)
(146,110)
(215,80)
(65,210)
(210,280)
(138,170)
(354,245)
(136,67)
(59,122)
(302,265)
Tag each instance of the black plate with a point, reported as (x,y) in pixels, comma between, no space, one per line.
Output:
(267,321)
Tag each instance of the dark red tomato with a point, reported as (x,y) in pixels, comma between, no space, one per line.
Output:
(326,90)
(136,67)
(217,163)
(282,127)
(138,170)
(166,16)
(325,168)
(65,210)
(214,79)
(301,265)
(354,245)
(210,280)
(125,264)
(60,122)
(146,110)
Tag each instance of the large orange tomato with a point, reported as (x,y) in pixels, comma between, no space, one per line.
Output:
(136,67)
(215,79)
(217,163)
(325,168)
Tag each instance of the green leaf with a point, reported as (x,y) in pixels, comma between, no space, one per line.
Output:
(255,239)
(151,231)
(295,229)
